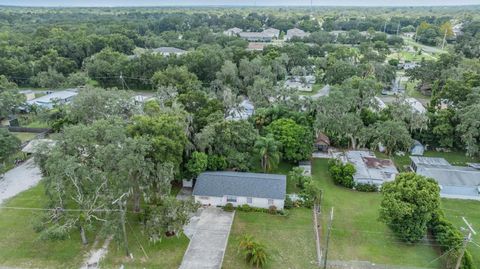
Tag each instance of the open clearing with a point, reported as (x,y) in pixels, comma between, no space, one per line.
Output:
(358,235)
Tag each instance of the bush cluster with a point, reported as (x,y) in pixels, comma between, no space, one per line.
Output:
(246,208)
(366,187)
(450,239)
(341,173)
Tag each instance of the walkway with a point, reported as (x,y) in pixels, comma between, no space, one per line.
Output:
(209,241)
(18,179)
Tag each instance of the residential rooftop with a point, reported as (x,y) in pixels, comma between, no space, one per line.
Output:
(219,184)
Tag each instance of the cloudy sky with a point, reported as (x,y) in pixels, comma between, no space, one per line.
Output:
(237,2)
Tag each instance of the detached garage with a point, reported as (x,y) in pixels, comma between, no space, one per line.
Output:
(253,189)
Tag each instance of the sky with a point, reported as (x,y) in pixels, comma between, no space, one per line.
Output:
(111,3)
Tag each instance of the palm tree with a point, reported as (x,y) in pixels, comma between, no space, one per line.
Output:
(254,252)
(268,150)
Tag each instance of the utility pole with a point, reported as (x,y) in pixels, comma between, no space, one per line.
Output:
(385,27)
(328,239)
(398,28)
(122,220)
(466,240)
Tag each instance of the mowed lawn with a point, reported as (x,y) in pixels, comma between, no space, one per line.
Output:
(19,244)
(288,239)
(454,211)
(358,235)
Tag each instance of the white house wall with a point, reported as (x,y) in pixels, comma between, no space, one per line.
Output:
(256,202)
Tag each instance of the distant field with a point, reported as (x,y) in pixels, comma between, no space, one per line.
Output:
(357,235)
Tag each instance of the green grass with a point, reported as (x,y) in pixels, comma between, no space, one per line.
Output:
(357,234)
(19,244)
(315,88)
(165,254)
(454,158)
(24,137)
(456,209)
(289,240)
(411,56)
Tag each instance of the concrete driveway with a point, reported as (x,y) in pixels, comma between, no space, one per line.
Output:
(18,179)
(210,236)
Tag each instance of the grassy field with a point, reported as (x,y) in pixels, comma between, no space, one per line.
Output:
(20,247)
(454,158)
(25,136)
(19,244)
(289,240)
(456,209)
(358,235)
(411,56)
(166,254)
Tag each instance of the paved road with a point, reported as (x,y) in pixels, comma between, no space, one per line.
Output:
(207,246)
(19,179)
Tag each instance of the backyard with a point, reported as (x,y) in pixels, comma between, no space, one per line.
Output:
(288,239)
(358,235)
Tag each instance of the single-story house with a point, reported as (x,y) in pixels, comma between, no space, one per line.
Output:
(417,149)
(275,33)
(244,111)
(416,105)
(459,182)
(59,97)
(300,83)
(37,144)
(238,188)
(29,94)
(256,46)
(167,51)
(232,31)
(369,168)
(295,32)
(256,36)
(322,143)
(407,66)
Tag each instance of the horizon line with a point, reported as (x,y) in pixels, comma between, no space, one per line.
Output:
(232,5)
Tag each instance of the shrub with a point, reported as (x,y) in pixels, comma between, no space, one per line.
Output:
(450,239)
(366,187)
(228,207)
(288,202)
(216,162)
(297,176)
(342,174)
(245,208)
(272,210)
(253,251)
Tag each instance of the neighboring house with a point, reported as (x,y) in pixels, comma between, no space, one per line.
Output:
(457,29)
(253,189)
(322,143)
(369,168)
(29,94)
(409,34)
(416,105)
(275,33)
(417,149)
(256,36)
(300,83)
(380,104)
(461,182)
(49,100)
(167,51)
(232,31)
(34,146)
(256,46)
(295,32)
(244,111)
(407,66)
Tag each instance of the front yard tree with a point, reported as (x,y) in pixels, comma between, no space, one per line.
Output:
(469,127)
(296,139)
(408,205)
(8,143)
(267,149)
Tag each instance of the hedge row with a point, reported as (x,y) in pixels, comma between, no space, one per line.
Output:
(451,241)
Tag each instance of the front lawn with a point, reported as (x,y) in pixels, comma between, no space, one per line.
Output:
(357,234)
(24,137)
(454,210)
(289,240)
(19,244)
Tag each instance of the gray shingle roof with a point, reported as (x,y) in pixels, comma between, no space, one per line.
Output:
(257,185)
